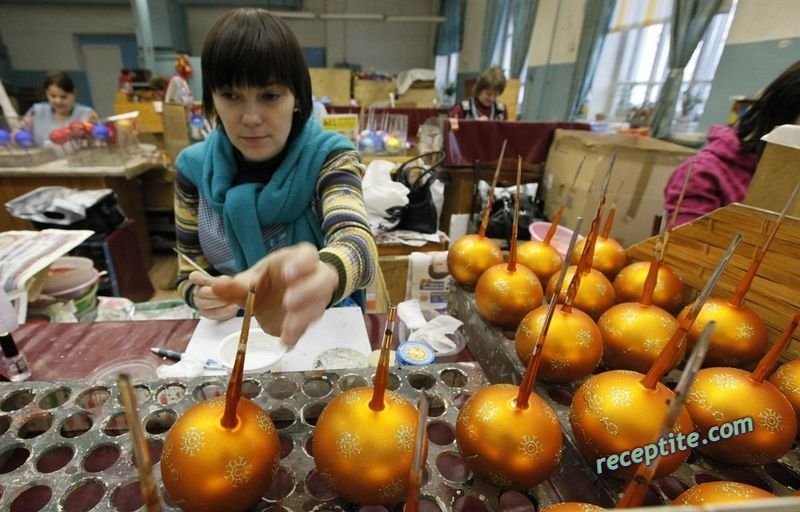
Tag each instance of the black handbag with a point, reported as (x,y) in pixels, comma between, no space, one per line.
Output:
(420,213)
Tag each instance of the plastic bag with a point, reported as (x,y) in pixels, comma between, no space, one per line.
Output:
(384,198)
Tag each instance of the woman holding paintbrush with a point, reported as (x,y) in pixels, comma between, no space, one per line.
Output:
(269,199)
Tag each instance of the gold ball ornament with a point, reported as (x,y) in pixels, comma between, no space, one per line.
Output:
(787,379)
(540,257)
(613,412)
(634,335)
(573,506)
(207,468)
(365,455)
(739,338)
(722,395)
(510,447)
(609,256)
(504,297)
(574,344)
(720,492)
(470,256)
(595,293)
(669,292)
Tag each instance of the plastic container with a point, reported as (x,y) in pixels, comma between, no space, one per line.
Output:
(415,353)
(67,273)
(402,335)
(263,351)
(560,241)
(79,290)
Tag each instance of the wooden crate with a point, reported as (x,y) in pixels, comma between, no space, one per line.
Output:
(148,121)
(367,92)
(510,97)
(696,248)
(333,83)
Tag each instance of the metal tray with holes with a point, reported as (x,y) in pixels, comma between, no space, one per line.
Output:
(65,445)
(575,480)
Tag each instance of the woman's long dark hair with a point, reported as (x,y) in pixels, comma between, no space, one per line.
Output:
(778,104)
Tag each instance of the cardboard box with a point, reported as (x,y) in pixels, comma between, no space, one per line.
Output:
(640,174)
(176,129)
(776,174)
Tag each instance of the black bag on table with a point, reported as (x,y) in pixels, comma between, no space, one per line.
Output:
(420,213)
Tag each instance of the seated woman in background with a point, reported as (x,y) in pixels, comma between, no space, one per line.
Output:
(724,167)
(59,110)
(269,199)
(483,104)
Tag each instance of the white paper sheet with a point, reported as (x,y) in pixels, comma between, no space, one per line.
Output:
(338,328)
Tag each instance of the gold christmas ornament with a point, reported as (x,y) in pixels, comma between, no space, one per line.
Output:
(222,454)
(635,333)
(616,411)
(711,493)
(574,344)
(364,439)
(741,336)
(540,256)
(595,293)
(669,292)
(509,436)
(787,379)
(472,255)
(609,256)
(623,410)
(753,421)
(504,294)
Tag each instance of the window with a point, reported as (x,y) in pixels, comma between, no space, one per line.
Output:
(633,64)
(446,70)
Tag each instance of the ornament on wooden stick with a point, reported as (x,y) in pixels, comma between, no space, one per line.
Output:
(541,256)
(223,453)
(504,294)
(364,438)
(635,333)
(594,292)
(723,396)
(471,255)
(741,335)
(669,291)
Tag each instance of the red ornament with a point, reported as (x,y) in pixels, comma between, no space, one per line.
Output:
(60,136)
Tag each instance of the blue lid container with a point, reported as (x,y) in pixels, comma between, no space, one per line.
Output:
(415,353)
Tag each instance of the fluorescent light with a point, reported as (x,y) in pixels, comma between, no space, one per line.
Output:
(351,16)
(295,15)
(421,19)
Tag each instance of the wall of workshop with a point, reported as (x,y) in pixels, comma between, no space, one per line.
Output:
(42,37)
(764,40)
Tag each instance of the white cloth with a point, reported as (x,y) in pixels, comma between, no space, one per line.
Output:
(406,78)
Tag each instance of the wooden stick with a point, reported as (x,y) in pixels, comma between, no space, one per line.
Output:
(191,262)
(144,468)
(234,392)
(488,208)
(382,371)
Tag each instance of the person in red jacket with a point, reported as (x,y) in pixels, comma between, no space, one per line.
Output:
(724,167)
(484,104)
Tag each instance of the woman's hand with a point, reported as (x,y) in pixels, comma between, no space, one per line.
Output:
(293,289)
(208,304)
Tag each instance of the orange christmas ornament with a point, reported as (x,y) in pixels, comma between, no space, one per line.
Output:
(540,256)
(787,379)
(741,336)
(574,343)
(364,439)
(504,294)
(609,256)
(222,454)
(711,493)
(595,293)
(761,420)
(471,255)
(622,410)
(508,435)
(635,333)
(670,291)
